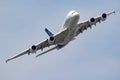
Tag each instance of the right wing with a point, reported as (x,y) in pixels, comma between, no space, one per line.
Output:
(93,21)
(59,37)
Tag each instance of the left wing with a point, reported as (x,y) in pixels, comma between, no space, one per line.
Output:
(23,53)
(33,49)
(93,21)
(58,38)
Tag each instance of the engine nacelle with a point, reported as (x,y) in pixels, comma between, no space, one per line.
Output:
(33,49)
(104,16)
(92,20)
(51,40)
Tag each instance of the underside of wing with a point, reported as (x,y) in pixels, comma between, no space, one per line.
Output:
(53,40)
(93,21)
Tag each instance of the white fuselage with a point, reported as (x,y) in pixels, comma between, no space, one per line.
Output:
(71,21)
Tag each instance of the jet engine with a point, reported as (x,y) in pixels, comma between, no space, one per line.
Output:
(104,16)
(92,20)
(51,40)
(33,49)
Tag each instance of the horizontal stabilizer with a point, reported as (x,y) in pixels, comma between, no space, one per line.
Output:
(46,51)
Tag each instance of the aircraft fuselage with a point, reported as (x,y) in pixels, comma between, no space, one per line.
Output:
(71,21)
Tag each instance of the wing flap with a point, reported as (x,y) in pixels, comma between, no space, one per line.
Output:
(46,51)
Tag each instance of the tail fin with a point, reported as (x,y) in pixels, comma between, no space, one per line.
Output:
(48,32)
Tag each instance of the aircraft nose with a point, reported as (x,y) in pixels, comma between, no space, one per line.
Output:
(76,14)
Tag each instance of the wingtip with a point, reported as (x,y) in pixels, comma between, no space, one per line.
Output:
(7,60)
(114,12)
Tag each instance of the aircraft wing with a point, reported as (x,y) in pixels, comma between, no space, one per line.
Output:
(59,37)
(93,21)
(23,53)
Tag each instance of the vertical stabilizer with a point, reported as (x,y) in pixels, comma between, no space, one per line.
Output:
(48,32)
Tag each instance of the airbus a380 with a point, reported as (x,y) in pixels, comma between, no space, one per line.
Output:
(68,32)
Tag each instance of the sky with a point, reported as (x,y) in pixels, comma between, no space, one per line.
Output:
(93,55)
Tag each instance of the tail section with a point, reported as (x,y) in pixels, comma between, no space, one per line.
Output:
(48,32)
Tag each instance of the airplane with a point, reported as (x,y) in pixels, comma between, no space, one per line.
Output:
(70,29)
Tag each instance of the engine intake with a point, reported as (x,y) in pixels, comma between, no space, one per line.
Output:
(33,49)
(51,40)
(92,20)
(104,16)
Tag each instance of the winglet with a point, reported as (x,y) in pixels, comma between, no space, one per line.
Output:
(48,32)
(7,60)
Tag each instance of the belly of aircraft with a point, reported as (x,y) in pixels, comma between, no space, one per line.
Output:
(69,37)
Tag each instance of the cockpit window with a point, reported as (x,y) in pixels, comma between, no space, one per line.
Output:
(73,12)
